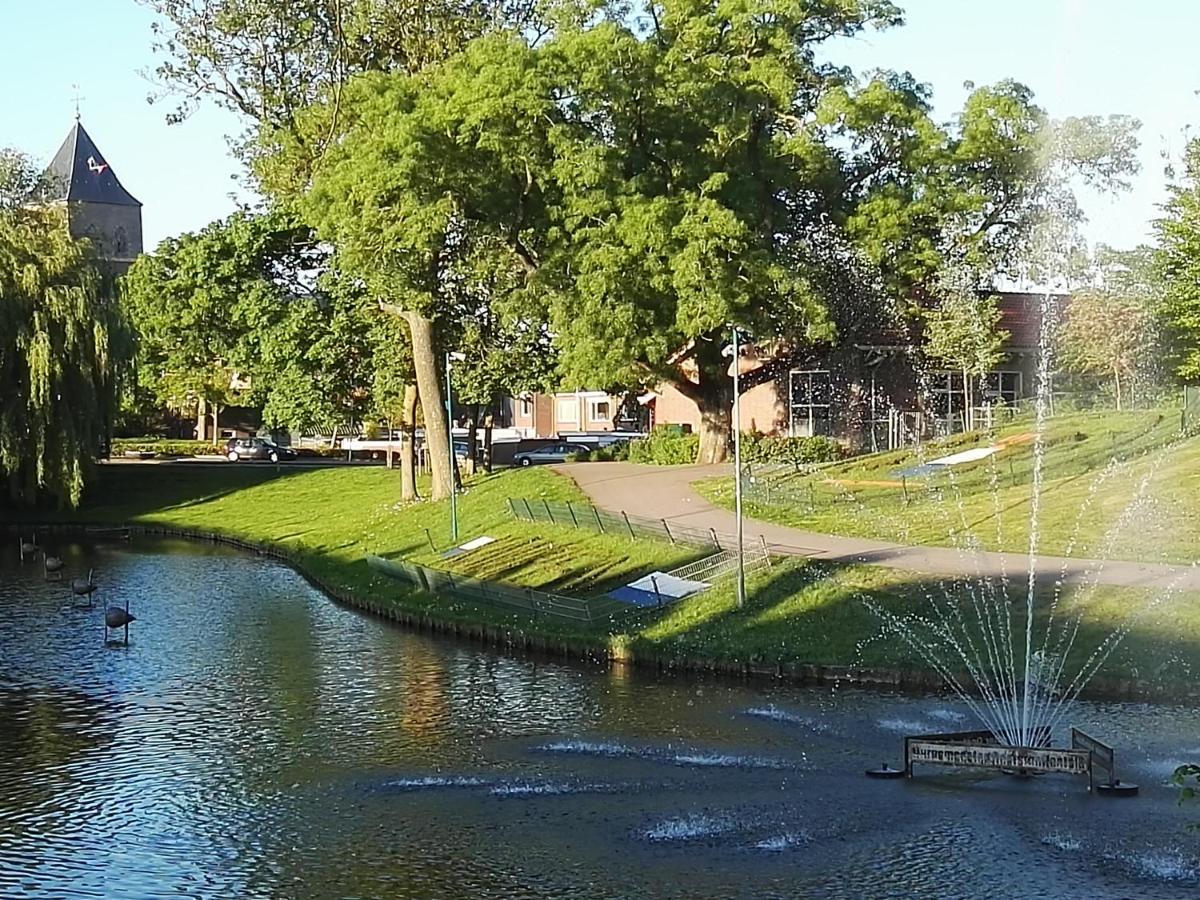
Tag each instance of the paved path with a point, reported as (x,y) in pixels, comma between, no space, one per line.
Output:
(666,492)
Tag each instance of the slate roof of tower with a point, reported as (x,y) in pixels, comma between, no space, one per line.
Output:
(80,173)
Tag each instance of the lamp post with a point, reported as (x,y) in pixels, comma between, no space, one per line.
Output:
(450,440)
(737,471)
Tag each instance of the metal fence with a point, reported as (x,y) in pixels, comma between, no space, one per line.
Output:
(491,593)
(724,563)
(620,524)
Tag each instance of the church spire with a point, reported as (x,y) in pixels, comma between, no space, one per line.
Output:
(80,174)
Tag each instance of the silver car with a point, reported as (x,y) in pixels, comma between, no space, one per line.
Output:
(552,453)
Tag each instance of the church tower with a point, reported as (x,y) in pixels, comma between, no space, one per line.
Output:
(98,206)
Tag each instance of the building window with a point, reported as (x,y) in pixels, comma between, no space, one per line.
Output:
(948,400)
(946,397)
(599,410)
(568,410)
(811,393)
(525,407)
(1001,388)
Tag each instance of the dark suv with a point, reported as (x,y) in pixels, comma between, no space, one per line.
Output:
(257,448)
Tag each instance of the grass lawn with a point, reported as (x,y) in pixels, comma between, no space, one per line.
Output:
(798,612)
(1116,485)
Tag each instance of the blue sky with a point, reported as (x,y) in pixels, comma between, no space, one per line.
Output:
(1080,56)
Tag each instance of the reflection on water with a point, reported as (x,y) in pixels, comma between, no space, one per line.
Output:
(256,740)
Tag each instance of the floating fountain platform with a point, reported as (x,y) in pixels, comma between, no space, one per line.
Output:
(981,750)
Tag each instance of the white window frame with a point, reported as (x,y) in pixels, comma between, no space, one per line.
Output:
(573,405)
(808,429)
(593,403)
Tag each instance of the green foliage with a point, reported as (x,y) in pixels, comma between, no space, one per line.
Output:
(962,332)
(63,351)
(665,447)
(1188,792)
(1177,262)
(799,451)
(1109,334)
(613,452)
(252,310)
(159,446)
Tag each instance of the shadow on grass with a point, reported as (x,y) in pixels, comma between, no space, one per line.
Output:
(818,612)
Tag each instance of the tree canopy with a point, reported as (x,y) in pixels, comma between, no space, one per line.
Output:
(653,176)
(1177,263)
(252,309)
(63,352)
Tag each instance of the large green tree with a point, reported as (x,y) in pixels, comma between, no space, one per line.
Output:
(1177,261)
(63,349)
(285,68)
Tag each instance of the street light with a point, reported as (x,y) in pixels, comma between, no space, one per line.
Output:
(737,470)
(450,440)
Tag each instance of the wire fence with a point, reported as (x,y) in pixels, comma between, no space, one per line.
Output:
(620,524)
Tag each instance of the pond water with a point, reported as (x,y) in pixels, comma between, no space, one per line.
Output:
(254,739)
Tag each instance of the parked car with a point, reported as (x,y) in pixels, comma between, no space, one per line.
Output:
(257,448)
(553,453)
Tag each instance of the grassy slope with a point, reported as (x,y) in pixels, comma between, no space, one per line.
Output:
(797,612)
(1145,507)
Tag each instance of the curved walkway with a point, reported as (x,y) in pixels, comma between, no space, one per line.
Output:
(666,492)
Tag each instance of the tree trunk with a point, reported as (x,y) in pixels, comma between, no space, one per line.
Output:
(488,421)
(429,387)
(408,445)
(713,396)
(201,419)
(1117,381)
(216,411)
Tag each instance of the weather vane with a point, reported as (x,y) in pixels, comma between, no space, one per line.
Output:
(77,98)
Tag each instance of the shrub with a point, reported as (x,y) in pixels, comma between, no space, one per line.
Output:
(665,447)
(161,446)
(798,451)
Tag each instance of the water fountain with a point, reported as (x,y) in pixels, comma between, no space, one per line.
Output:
(1007,651)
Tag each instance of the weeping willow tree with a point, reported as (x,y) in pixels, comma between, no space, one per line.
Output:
(63,348)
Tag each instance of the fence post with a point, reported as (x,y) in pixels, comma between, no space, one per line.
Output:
(550,515)
(512,507)
(625,516)
(667,529)
(429,537)
(599,524)
(812,497)
(571,510)
(532,603)
(766,554)
(904,487)
(657,595)
(713,533)
(528,508)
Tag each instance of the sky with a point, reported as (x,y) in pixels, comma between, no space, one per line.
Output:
(1081,57)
